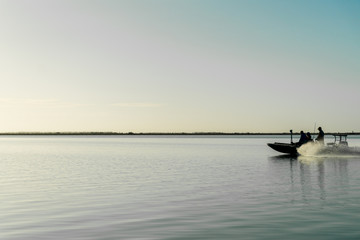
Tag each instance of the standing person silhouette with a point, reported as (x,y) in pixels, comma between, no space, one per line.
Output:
(320,137)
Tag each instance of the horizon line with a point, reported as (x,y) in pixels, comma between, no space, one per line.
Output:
(109,133)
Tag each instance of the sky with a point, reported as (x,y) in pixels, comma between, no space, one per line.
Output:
(179,65)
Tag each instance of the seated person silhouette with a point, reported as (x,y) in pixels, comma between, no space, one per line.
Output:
(303,139)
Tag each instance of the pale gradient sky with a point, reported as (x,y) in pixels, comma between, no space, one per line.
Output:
(179,65)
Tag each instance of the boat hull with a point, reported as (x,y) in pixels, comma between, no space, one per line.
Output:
(287,148)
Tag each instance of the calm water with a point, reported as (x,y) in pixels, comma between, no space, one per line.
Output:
(173,188)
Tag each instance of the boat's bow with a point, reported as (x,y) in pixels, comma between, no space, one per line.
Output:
(288,148)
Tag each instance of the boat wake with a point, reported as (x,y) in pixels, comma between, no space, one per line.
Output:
(317,150)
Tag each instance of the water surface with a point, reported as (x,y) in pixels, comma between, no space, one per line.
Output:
(158,187)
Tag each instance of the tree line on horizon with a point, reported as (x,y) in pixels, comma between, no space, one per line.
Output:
(162,133)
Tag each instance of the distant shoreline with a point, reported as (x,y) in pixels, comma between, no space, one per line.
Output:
(153,134)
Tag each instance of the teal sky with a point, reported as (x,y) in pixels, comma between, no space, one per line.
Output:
(179,65)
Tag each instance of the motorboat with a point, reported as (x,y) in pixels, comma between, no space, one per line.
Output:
(339,145)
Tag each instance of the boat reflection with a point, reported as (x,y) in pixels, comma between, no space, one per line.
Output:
(285,157)
(311,176)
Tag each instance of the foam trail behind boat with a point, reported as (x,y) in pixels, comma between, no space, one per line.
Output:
(310,149)
(317,150)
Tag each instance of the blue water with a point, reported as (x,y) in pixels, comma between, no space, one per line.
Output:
(157,187)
